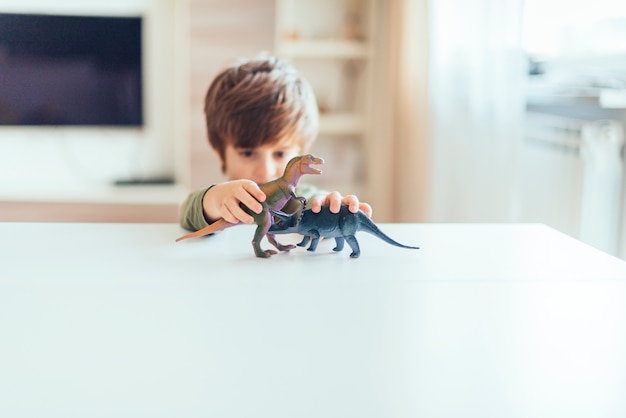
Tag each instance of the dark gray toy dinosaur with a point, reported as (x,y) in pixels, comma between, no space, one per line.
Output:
(342,226)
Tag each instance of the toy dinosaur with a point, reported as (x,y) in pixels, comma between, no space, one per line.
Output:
(278,192)
(342,226)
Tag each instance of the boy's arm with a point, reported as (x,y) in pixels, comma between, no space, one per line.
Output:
(191,212)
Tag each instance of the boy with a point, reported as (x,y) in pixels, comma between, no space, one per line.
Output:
(259,115)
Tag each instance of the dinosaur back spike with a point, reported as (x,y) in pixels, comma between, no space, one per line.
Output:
(214,227)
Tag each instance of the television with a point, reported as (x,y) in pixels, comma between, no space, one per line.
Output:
(71,70)
(136,58)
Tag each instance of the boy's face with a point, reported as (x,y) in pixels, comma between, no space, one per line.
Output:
(260,164)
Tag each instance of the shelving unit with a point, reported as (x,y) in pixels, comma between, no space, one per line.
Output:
(325,48)
(330,43)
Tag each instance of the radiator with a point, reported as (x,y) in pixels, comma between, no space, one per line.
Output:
(601,151)
(576,175)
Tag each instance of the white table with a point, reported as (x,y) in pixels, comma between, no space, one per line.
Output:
(117,320)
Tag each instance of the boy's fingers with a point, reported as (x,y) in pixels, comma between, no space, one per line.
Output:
(245,218)
(252,204)
(352,202)
(242,216)
(253,189)
(366,208)
(228,216)
(251,196)
(234,213)
(335,201)
(316,204)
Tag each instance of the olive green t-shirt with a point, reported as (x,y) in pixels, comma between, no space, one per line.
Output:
(191,213)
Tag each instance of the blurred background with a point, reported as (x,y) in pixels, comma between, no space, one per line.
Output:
(432,111)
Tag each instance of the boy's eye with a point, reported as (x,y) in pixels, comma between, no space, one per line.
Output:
(280,154)
(246,153)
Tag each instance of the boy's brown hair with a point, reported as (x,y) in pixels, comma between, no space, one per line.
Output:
(258,102)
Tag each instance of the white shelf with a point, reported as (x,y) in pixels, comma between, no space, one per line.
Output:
(81,193)
(325,48)
(341,124)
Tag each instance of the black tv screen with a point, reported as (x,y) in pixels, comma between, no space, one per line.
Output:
(70,70)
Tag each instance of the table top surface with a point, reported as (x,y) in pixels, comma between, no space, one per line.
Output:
(447,252)
(485,320)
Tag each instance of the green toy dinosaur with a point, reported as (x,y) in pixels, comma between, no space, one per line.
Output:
(278,192)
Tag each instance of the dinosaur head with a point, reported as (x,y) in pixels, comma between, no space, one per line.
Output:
(300,165)
(305,163)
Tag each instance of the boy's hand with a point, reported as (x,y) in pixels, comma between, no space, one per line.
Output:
(334,200)
(222,201)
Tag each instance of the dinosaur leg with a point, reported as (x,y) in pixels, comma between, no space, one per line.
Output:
(314,241)
(272,239)
(261,230)
(354,244)
(305,241)
(340,241)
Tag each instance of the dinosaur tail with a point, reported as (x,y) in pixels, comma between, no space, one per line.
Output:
(368,225)
(214,227)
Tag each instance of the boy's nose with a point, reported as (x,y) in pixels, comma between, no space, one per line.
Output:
(265,171)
